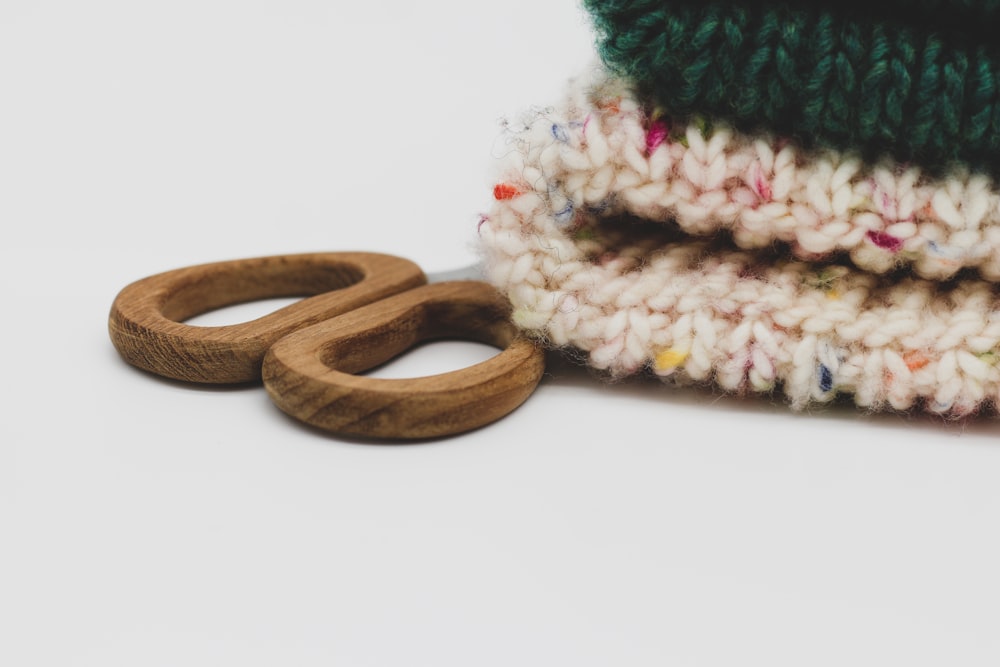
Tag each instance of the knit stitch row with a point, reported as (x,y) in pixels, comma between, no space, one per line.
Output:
(822,76)
(605,150)
(580,274)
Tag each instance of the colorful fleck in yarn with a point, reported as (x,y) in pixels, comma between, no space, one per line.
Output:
(581,239)
(919,81)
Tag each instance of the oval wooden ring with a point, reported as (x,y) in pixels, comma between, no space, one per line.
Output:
(146,320)
(310,374)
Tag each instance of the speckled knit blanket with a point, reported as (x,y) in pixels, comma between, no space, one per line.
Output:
(692,249)
(915,79)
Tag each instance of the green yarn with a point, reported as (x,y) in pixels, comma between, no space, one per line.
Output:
(918,80)
(957,18)
(927,12)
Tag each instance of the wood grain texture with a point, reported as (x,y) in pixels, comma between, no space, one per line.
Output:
(310,374)
(146,320)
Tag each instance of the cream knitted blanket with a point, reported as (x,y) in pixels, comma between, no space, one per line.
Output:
(704,255)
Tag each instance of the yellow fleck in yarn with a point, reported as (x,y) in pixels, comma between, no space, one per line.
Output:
(668,360)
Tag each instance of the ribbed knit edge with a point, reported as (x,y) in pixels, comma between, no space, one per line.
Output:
(817,76)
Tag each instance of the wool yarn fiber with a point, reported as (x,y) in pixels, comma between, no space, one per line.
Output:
(612,233)
(917,81)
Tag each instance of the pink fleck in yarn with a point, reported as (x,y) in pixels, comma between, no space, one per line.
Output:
(614,235)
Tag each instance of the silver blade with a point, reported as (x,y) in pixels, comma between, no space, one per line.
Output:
(470,272)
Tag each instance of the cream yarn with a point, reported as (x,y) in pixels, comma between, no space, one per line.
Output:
(571,241)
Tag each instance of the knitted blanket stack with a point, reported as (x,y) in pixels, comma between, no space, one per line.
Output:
(769,196)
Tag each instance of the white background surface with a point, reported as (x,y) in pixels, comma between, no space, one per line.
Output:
(148,523)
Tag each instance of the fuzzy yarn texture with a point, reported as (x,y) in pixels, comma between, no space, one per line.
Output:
(614,233)
(919,81)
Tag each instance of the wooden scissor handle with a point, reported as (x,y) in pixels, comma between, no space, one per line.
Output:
(310,373)
(146,320)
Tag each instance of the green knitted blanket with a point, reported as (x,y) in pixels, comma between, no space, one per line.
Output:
(916,79)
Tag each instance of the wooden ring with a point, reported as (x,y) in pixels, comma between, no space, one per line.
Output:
(310,374)
(146,320)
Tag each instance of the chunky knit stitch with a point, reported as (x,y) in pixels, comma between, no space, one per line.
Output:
(564,243)
(907,82)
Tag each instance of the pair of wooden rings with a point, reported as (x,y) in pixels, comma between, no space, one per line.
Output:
(360,310)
